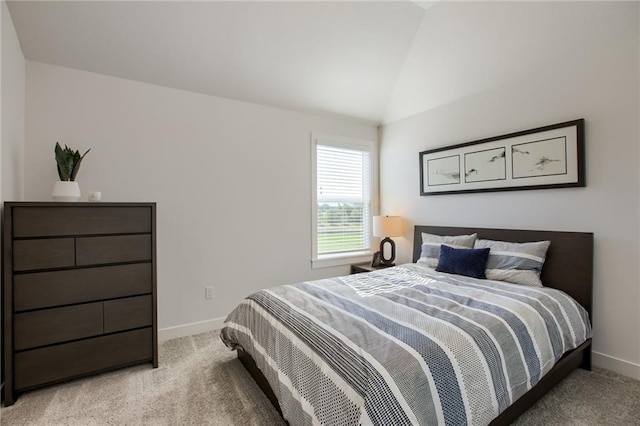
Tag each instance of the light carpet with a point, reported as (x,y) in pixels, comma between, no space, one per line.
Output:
(200,382)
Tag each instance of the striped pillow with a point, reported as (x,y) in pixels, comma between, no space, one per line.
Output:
(518,263)
(431,246)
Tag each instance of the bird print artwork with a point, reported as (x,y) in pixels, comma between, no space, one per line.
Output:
(543,163)
(497,157)
(455,176)
(546,157)
(510,161)
(485,165)
(443,171)
(517,150)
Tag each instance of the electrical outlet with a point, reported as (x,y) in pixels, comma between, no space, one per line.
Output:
(208,292)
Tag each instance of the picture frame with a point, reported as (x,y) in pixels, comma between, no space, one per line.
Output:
(376,261)
(541,158)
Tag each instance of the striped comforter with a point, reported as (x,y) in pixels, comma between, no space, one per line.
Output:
(404,345)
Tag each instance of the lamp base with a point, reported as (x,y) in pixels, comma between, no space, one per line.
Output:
(383,260)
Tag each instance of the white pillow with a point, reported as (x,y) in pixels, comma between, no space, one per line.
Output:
(431,246)
(518,263)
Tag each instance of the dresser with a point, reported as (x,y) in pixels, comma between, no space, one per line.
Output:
(79,291)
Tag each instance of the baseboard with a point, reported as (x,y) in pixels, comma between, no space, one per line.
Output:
(189,329)
(624,367)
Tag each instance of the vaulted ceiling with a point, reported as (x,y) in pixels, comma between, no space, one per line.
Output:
(322,56)
(379,61)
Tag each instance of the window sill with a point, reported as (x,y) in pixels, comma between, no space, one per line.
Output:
(329,261)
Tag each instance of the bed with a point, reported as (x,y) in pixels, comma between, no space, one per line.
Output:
(317,360)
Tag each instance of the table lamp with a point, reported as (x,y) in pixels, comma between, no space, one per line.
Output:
(387,226)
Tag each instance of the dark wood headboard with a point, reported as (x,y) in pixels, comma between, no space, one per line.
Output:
(568,266)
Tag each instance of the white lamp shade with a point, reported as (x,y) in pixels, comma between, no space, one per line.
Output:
(387,226)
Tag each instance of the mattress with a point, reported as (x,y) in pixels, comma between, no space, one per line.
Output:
(404,345)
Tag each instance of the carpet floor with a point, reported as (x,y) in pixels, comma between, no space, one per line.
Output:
(200,382)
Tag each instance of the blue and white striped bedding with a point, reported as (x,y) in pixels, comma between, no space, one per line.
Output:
(404,345)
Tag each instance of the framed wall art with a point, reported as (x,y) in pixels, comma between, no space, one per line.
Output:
(545,157)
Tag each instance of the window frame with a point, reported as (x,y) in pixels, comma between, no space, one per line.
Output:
(339,259)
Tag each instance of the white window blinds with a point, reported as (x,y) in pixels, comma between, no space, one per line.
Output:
(343,195)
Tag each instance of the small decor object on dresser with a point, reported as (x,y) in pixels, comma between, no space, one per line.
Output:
(79,291)
(68,163)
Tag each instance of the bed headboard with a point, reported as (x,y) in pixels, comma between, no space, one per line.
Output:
(568,266)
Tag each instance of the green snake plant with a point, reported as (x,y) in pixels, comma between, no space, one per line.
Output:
(68,162)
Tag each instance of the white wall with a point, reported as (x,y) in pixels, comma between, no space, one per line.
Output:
(12,110)
(231,179)
(592,73)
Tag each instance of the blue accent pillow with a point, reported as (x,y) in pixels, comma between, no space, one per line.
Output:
(467,262)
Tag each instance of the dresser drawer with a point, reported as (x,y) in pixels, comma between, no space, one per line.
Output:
(113,249)
(54,221)
(55,288)
(56,325)
(43,254)
(70,360)
(125,314)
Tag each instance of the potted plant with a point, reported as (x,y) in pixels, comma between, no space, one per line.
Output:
(68,162)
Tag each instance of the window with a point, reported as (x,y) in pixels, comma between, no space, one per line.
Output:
(343,189)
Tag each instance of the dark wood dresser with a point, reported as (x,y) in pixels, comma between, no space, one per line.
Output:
(79,291)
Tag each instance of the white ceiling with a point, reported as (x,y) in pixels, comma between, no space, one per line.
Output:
(465,48)
(332,57)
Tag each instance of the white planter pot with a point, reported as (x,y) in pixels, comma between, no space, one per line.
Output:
(66,191)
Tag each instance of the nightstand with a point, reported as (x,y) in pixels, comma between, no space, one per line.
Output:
(359,268)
